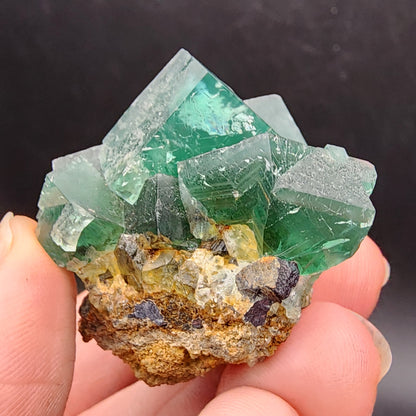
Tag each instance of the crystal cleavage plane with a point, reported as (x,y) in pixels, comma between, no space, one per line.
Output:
(199,225)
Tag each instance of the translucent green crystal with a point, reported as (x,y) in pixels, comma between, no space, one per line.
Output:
(230,185)
(159,210)
(80,210)
(69,226)
(320,210)
(194,166)
(46,220)
(211,117)
(316,214)
(184,112)
(101,235)
(272,109)
(78,178)
(50,195)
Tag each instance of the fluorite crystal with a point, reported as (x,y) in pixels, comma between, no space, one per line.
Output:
(200,224)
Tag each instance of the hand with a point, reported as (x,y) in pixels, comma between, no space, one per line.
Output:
(330,365)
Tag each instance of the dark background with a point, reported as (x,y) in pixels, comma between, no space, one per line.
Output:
(346,69)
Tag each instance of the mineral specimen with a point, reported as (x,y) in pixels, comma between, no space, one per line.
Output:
(200,224)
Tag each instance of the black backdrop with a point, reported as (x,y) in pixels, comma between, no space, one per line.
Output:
(347,71)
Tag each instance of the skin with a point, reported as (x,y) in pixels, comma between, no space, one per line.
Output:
(331,363)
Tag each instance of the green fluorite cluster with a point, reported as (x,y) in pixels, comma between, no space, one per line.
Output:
(189,157)
(200,224)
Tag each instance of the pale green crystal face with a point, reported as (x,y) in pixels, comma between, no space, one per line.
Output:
(190,161)
(231,185)
(159,209)
(184,112)
(272,109)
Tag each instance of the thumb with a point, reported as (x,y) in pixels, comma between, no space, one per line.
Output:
(37,321)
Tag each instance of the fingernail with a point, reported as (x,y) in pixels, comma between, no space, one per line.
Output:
(382,346)
(6,235)
(387,275)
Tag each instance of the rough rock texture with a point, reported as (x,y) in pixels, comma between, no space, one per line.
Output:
(173,315)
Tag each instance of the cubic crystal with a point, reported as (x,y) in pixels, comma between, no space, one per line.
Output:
(231,185)
(185,111)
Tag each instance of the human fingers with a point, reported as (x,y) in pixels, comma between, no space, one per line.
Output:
(97,374)
(355,283)
(329,365)
(185,399)
(37,303)
(248,401)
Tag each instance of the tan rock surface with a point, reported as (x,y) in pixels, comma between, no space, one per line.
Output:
(173,315)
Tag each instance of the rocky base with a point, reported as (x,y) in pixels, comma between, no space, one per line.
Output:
(189,343)
(173,314)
